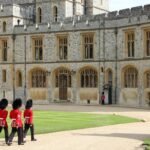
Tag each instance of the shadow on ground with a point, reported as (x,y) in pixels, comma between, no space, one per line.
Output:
(121,135)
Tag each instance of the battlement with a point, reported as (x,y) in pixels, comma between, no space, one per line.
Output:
(124,13)
(16,1)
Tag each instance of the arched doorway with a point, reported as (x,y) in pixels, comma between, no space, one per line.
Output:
(63,81)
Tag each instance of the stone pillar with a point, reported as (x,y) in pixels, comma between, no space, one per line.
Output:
(75,96)
(49,86)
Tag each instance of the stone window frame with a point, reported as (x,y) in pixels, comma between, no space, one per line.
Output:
(4,43)
(55,13)
(33,38)
(88,78)
(38,80)
(83,35)
(147,79)
(1,49)
(4,26)
(145,30)
(4,75)
(39,15)
(130,73)
(130,41)
(19,79)
(58,37)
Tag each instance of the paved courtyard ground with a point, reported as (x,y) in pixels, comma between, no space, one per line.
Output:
(116,137)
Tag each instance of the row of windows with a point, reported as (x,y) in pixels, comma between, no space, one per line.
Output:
(130,44)
(88,78)
(87,46)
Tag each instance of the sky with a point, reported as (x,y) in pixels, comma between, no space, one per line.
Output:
(121,4)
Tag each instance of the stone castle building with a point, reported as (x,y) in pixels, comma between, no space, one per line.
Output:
(73,50)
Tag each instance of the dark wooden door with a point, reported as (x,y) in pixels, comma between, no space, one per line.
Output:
(63,87)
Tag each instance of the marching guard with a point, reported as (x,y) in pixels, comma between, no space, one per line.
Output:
(3,117)
(28,115)
(17,125)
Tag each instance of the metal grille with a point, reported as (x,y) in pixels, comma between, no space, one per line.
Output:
(39,79)
(131,78)
(88,46)
(130,44)
(63,48)
(88,78)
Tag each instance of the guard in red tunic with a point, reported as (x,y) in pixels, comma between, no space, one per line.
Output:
(3,116)
(16,124)
(28,115)
(103,98)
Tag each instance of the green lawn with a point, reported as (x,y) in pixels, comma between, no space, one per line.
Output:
(47,121)
(147,144)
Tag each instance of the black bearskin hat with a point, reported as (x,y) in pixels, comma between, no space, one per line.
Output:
(17,103)
(3,103)
(29,104)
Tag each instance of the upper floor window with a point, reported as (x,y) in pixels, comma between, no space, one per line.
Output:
(130,78)
(4,50)
(39,14)
(63,47)
(19,79)
(55,14)
(38,49)
(88,78)
(130,44)
(38,79)
(4,26)
(4,79)
(147,43)
(88,46)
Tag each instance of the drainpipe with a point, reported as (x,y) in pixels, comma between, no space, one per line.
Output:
(13,38)
(25,68)
(116,65)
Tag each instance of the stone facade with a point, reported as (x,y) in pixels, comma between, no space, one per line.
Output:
(109,30)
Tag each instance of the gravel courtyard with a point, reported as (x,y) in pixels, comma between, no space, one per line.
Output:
(116,137)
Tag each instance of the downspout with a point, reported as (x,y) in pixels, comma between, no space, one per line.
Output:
(116,65)
(13,38)
(99,69)
(25,68)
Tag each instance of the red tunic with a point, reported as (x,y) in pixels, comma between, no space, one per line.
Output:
(3,116)
(103,97)
(15,115)
(28,115)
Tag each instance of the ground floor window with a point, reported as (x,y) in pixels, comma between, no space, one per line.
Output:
(88,78)
(130,78)
(38,79)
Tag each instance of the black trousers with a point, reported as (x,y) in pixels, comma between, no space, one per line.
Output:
(19,132)
(26,128)
(6,132)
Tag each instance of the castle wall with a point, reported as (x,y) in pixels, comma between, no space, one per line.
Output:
(109,53)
